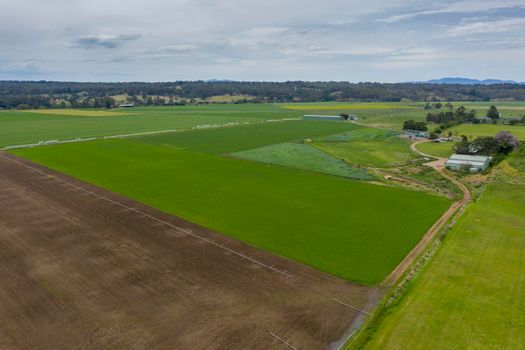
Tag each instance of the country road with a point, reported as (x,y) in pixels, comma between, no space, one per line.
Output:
(439,166)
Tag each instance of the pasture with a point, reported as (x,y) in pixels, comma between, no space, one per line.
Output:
(376,114)
(367,147)
(306,157)
(437,149)
(471,294)
(392,114)
(474,130)
(347,228)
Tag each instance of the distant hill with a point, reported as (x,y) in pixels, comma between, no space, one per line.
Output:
(55,94)
(467,81)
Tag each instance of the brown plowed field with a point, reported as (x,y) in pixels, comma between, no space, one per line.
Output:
(83,268)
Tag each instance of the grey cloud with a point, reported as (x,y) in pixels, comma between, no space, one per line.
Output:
(484,27)
(104,41)
(456,7)
(382,40)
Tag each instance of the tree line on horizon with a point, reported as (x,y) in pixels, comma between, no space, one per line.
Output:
(51,94)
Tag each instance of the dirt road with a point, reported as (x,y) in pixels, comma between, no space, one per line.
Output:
(439,166)
(84,268)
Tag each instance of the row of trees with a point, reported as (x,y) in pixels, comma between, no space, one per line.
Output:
(31,102)
(460,115)
(43,93)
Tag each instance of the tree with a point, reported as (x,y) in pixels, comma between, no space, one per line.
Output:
(507,142)
(449,105)
(433,135)
(413,125)
(464,138)
(462,147)
(471,116)
(485,145)
(461,115)
(493,113)
(345,116)
(449,134)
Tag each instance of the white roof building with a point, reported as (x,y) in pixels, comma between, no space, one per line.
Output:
(468,162)
(328,117)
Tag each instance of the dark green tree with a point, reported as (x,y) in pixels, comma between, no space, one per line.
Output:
(485,145)
(493,113)
(462,147)
(413,125)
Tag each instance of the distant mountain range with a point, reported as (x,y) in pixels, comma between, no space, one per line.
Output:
(219,81)
(467,81)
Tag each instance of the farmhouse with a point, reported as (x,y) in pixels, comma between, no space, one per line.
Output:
(329,117)
(471,163)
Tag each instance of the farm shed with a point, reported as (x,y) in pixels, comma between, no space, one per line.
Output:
(328,117)
(415,133)
(472,163)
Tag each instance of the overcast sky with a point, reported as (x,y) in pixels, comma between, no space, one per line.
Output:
(271,40)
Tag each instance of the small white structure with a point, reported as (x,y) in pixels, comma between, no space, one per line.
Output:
(467,162)
(415,133)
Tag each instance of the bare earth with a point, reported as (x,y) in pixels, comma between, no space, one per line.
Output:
(82,268)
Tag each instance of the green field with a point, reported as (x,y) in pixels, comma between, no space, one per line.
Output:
(367,147)
(348,228)
(471,294)
(437,149)
(475,130)
(377,114)
(517,161)
(347,106)
(271,185)
(244,137)
(305,157)
(23,127)
(392,115)
(80,112)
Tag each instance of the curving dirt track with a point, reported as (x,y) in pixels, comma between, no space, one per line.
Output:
(439,166)
(83,268)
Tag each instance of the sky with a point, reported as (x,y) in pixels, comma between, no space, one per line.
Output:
(270,40)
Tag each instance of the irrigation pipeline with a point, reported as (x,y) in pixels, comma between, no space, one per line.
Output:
(145,133)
